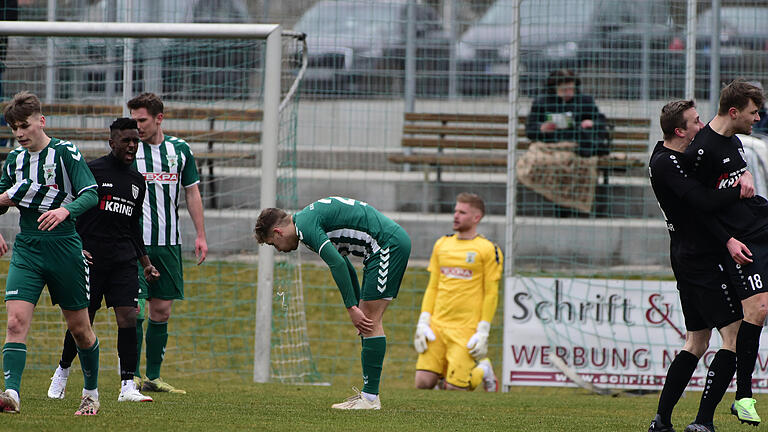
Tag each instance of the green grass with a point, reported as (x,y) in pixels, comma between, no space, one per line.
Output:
(242,405)
(210,354)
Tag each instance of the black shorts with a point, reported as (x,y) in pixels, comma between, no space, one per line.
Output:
(707,299)
(752,278)
(115,282)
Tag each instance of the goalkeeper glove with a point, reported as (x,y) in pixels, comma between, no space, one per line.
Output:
(423,333)
(478,343)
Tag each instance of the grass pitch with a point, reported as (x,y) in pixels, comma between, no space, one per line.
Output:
(221,396)
(234,405)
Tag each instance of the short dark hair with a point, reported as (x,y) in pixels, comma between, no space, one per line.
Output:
(737,94)
(23,105)
(473,200)
(561,76)
(150,101)
(268,219)
(123,123)
(672,116)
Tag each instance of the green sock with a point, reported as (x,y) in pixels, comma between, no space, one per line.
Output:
(372,356)
(14,359)
(89,363)
(139,339)
(157,339)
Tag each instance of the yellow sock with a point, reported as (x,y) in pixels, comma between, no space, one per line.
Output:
(476,377)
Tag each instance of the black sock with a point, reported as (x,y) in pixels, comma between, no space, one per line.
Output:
(747,344)
(679,373)
(69,352)
(719,376)
(126,350)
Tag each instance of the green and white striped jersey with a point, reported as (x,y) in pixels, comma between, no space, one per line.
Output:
(166,167)
(45,180)
(352,227)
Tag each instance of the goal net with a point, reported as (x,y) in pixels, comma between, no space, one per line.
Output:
(212,81)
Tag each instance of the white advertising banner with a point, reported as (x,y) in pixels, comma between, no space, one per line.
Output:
(620,334)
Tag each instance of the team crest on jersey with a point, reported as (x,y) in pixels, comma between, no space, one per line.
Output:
(49,172)
(471,257)
(172,163)
(134,191)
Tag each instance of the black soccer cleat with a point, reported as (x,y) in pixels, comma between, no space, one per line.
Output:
(658,426)
(700,427)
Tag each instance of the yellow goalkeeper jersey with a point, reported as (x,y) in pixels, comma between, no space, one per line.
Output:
(464,278)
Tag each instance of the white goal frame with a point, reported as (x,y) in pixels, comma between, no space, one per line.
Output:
(270,123)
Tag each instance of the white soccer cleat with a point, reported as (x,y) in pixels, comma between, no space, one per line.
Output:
(129,393)
(490,383)
(358,402)
(89,406)
(58,386)
(8,403)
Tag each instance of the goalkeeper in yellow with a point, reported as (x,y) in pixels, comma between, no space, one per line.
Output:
(459,304)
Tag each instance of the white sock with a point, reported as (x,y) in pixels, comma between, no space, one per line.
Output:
(92,393)
(62,372)
(486,370)
(127,385)
(370,397)
(12,393)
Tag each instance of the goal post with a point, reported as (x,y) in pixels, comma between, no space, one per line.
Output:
(270,132)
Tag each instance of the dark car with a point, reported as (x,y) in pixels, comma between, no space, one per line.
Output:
(211,69)
(743,46)
(602,40)
(358,47)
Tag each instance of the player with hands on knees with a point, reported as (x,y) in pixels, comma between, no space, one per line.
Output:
(335,228)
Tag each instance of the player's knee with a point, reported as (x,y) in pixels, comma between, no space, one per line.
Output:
(17,325)
(425,380)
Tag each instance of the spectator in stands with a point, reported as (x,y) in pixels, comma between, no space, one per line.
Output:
(564,114)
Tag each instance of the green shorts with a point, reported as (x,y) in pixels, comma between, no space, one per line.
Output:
(55,260)
(170,286)
(384,270)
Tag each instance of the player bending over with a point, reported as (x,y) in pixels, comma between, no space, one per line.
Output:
(334,228)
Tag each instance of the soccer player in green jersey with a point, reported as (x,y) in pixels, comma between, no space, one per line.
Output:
(334,228)
(167,164)
(48,180)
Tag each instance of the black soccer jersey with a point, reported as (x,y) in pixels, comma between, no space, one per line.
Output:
(697,240)
(718,162)
(113,227)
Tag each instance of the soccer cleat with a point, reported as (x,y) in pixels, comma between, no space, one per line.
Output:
(700,427)
(137,381)
(744,410)
(490,383)
(88,406)
(8,404)
(129,393)
(658,426)
(58,384)
(158,385)
(358,402)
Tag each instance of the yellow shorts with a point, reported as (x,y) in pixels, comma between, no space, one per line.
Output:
(448,355)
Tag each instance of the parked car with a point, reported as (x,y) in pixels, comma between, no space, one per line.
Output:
(743,46)
(601,39)
(358,47)
(92,68)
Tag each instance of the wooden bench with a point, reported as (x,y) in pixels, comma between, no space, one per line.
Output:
(464,134)
(203,128)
